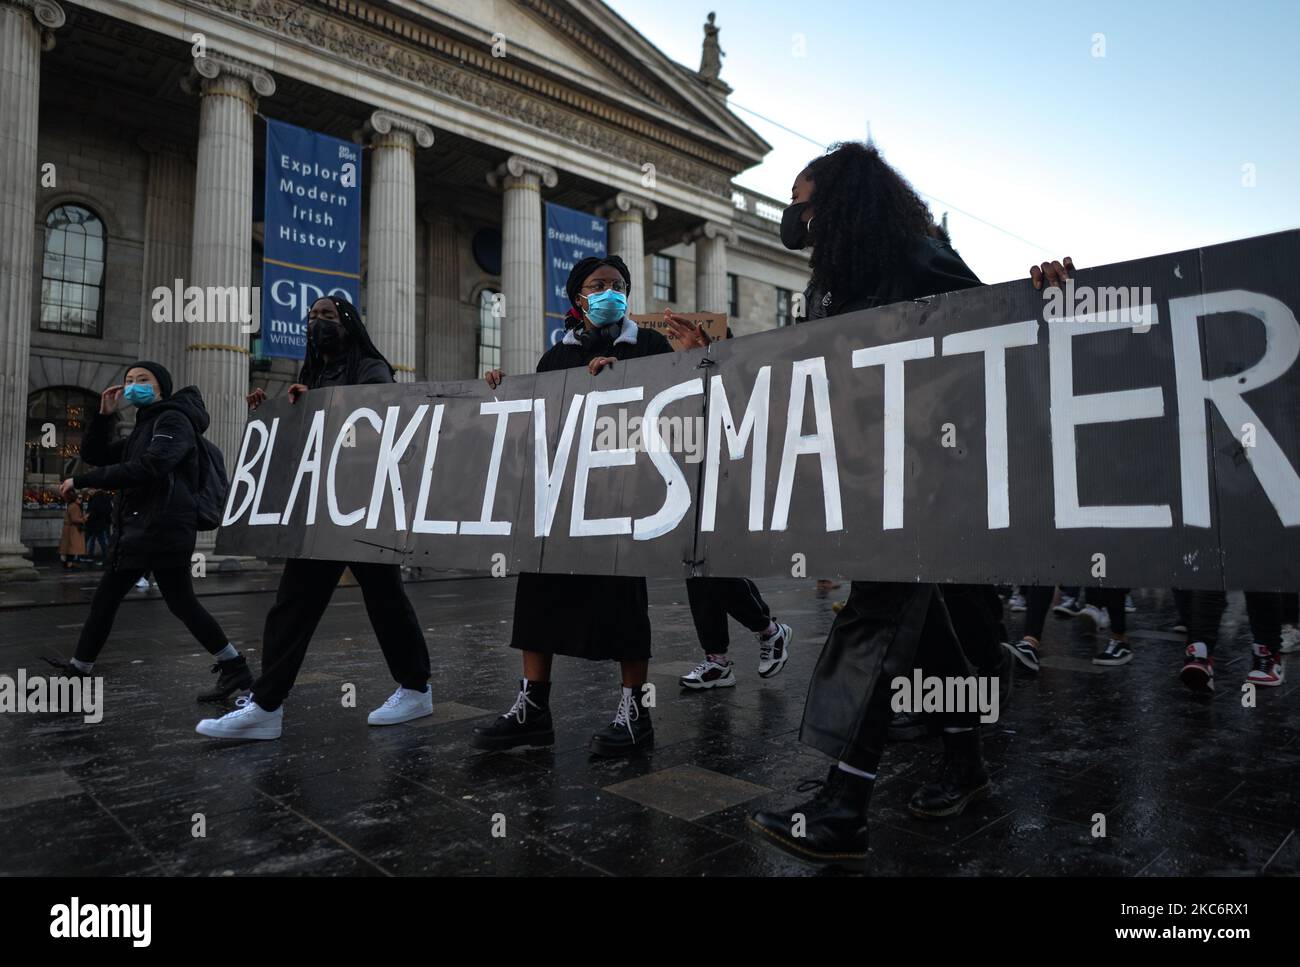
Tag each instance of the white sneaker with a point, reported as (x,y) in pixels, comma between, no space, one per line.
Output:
(402,706)
(774,652)
(142,584)
(1069,607)
(1290,639)
(1099,619)
(1018,603)
(248,721)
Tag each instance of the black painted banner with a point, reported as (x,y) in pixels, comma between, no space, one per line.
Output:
(1136,428)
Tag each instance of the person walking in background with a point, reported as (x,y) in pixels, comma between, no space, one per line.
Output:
(158,472)
(99,522)
(72,543)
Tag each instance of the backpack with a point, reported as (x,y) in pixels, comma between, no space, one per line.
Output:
(213,485)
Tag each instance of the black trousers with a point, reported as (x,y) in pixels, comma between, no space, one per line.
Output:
(976,613)
(883,632)
(305,591)
(1205,611)
(712,599)
(177,590)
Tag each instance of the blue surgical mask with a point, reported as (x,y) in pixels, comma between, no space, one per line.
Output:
(606,308)
(141,394)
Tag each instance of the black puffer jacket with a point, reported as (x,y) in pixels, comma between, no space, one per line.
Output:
(156,471)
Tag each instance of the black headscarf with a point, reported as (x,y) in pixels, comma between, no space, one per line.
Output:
(573,320)
(358,346)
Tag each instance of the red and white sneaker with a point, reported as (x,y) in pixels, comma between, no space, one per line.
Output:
(774,652)
(709,674)
(1198,669)
(1266,668)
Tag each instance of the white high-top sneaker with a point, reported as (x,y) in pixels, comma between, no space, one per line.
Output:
(248,721)
(402,706)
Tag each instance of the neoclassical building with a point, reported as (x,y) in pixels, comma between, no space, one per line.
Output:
(132,155)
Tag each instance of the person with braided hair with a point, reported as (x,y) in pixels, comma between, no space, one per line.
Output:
(600,617)
(339,353)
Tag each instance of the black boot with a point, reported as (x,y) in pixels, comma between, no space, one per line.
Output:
(906,726)
(65,666)
(631,731)
(964,779)
(828,830)
(233,675)
(527,723)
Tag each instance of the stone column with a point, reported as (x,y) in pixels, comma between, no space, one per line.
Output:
(217,353)
(390,237)
(627,215)
(450,341)
(168,232)
(711,240)
(25,30)
(523,329)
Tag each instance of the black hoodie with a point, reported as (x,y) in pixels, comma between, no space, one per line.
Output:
(155,520)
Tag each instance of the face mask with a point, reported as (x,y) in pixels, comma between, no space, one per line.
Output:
(794,233)
(606,308)
(139,394)
(328,336)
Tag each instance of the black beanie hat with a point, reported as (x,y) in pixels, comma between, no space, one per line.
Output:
(159,372)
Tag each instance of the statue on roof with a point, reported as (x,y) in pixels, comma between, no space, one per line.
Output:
(711,58)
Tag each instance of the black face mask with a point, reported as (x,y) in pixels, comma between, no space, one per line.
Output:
(327,336)
(794,233)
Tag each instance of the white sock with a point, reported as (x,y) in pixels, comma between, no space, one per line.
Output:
(227,653)
(627,692)
(856,772)
(957,729)
(82,666)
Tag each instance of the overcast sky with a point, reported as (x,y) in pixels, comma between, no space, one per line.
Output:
(1005,112)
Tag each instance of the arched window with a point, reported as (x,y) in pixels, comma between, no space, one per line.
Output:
(489,330)
(57,419)
(72,273)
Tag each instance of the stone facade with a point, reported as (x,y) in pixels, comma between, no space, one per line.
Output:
(458,142)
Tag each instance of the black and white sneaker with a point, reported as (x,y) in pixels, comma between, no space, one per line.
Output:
(1017,602)
(708,674)
(1025,652)
(233,675)
(1116,652)
(773,652)
(1129,606)
(1069,607)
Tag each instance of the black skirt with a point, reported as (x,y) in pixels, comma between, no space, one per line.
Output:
(600,618)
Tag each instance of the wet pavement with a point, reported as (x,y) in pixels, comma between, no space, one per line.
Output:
(1185,786)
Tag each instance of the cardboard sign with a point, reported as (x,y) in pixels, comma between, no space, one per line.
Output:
(715,324)
(1140,427)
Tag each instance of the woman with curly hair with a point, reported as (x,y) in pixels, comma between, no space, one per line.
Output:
(874,243)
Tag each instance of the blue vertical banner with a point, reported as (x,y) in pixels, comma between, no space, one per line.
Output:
(571,236)
(312,244)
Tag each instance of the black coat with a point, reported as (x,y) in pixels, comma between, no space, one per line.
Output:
(599,617)
(931,268)
(155,470)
